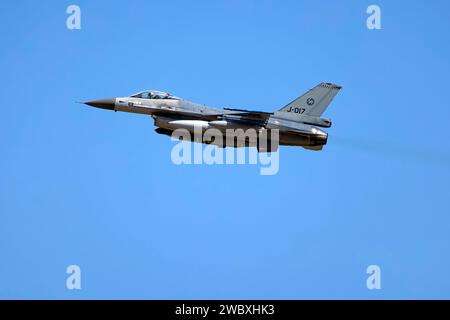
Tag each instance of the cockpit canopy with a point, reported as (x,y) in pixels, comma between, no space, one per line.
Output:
(154,94)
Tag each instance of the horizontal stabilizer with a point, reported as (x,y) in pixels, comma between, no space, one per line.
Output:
(314,148)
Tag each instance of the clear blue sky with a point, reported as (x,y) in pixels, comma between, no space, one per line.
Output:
(98,189)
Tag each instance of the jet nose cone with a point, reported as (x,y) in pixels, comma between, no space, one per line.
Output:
(107,104)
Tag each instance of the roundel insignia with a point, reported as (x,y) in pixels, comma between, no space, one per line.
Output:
(310,101)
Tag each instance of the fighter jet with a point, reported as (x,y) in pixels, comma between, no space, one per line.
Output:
(297,122)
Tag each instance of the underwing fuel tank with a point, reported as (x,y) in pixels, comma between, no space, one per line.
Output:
(171,124)
(189,124)
(196,124)
(219,124)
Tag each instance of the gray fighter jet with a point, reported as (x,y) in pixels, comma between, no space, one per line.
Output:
(297,122)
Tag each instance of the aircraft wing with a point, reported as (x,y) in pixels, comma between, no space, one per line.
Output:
(231,114)
(188,114)
(247,114)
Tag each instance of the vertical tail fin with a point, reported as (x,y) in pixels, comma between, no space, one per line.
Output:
(314,102)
